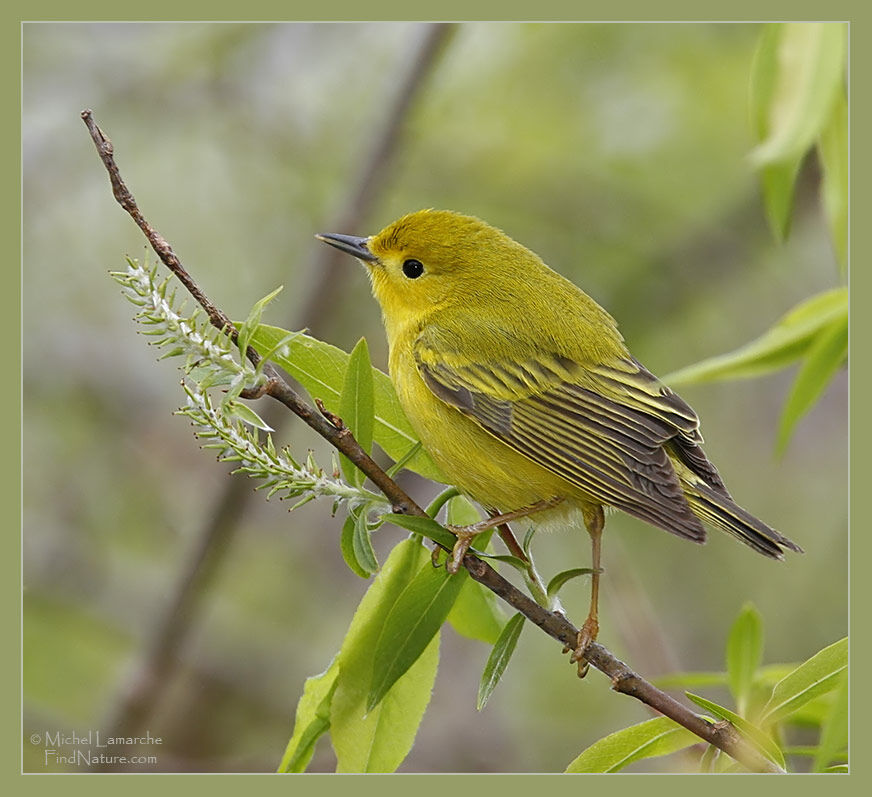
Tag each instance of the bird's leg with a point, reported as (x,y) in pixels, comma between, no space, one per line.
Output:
(594,521)
(466,534)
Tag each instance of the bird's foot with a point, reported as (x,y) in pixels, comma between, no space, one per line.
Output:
(586,636)
(465,535)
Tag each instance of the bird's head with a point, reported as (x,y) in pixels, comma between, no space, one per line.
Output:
(434,258)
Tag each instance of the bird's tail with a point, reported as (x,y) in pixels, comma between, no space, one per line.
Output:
(716,507)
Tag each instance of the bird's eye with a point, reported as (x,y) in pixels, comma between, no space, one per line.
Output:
(413,268)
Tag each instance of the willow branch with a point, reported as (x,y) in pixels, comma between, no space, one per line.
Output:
(149,678)
(331,428)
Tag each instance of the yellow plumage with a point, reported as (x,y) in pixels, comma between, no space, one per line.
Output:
(522,390)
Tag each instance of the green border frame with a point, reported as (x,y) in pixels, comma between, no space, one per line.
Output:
(636,10)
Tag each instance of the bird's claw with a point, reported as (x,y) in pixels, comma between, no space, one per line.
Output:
(586,636)
(465,536)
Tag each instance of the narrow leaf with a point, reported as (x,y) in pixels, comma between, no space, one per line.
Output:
(709,759)
(764,73)
(440,500)
(461,512)
(528,539)
(378,741)
(476,614)
(346,545)
(561,578)
(394,469)
(320,368)
(426,527)
(785,342)
(833,153)
(361,544)
(759,738)
(248,327)
(834,734)
(655,737)
(777,179)
(519,564)
(812,714)
(814,677)
(413,621)
(825,357)
(499,658)
(811,61)
(312,719)
(744,653)
(357,406)
(247,415)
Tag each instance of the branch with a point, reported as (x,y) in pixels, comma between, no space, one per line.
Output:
(624,680)
(153,671)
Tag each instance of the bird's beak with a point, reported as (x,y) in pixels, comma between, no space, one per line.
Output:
(349,243)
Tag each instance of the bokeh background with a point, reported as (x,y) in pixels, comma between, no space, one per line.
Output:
(616,151)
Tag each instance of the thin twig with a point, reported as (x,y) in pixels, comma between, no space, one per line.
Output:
(623,679)
(151,675)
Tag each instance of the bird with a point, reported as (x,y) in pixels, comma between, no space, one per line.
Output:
(521,388)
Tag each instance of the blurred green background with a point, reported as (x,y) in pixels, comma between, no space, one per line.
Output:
(615,151)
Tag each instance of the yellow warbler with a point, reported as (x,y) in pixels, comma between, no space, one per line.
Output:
(520,387)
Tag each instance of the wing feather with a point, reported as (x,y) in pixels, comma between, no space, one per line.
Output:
(605,430)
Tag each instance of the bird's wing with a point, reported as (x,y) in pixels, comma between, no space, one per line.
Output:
(603,428)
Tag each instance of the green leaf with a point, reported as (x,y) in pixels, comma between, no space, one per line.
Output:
(356,407)
(561,578)
(655,737)
(361,543)
(499,658)
(349,544)
(462,512)
(320,368)
(440,500)
(709,759)
(379,740)
(810,65)
(771,674)
(764,72)
(248,327)
(777,179)
(413,621)
(476,614)
(833,154)
(744,653)
(785,342)
(528,539)
(519,564)
(813,677)
(312,719)
(247,415)
(825,357)
(756,736)
(426,527)
(812,714)
(834,734)
(400,464)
